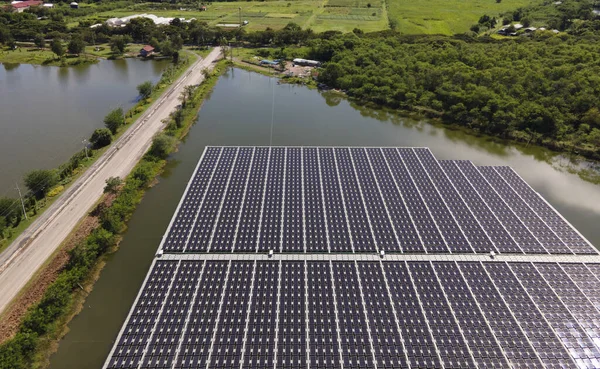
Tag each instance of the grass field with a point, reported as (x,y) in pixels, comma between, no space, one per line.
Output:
(412,16)
(320,15)
(446,16)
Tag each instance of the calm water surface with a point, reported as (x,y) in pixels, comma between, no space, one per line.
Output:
(240,112)
(47,111)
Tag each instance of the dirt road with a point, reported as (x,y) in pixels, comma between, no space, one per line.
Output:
(33,247)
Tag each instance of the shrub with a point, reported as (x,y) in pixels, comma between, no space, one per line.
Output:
(55,191)
(101,137)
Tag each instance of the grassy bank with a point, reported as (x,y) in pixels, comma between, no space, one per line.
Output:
(33,55)
(44,323)
(80,163)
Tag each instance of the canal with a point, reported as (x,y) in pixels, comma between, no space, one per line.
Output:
(250,109)
(48,111)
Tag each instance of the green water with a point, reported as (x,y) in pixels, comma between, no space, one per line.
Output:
(240,112)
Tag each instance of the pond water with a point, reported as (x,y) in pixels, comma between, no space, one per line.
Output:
(46,112)
(250,109)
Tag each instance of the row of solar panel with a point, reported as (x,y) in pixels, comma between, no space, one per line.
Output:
(247,199)
(264,314)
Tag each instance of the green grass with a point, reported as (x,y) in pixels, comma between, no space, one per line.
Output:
(445,16)
(320,15)
(26,55)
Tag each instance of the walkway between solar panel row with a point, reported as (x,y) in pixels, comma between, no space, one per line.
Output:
(362,200)
(324,314)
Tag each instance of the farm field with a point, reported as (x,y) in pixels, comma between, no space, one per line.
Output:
(340,15)
(445,17)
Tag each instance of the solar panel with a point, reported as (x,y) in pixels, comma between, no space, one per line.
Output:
(380,259)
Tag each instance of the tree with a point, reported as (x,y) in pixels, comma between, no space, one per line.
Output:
(114,120)
(112,185)
(145,89)
(118,44)
(162,145)
(57,47)
(39,41)
(101,137)
(8,207)
(76,45)
(40,181)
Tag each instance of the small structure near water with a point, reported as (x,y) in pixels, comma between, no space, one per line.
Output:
(147,51)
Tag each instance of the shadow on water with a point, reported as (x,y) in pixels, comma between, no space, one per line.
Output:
(239,112)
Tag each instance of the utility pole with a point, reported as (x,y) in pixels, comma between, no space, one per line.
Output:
(85,146)
(240,12)
(22,203)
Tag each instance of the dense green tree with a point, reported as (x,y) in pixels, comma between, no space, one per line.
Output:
(101,137)
(39,41)
(114,120)
(57,47)
(162,145)
(145,89)
(76,45)
(112,184)
(118,44)
(40,181)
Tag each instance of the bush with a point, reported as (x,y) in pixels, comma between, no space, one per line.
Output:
(39,182)
(114,120)
(162,145)
(101,137)
(145,89)
(55,191)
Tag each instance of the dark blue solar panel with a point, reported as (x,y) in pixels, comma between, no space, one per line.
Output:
(324,348)
(415,330)
(291,345)
(571,315)
(247,229)
(337,225)
(511,222)
(293,223)
(478,240)
(478,335)
(229,334)
(224,230)
(314,212)
(450,343)
(260,338)
(169,328)
(562,229)
(534,324)
(188,208)
(506,329)
(378,215)
(362,237)
(444,220)
(196,341)
(270,222)
(490,223)
(401,218)
(212,201)
(428,231)
(136,335)
(354,336)
(585,280)
(535,225)
(387,342)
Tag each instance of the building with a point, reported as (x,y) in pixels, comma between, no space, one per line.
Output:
(147,51)
(74,5)
(307,62)
(361,258)
(21,6)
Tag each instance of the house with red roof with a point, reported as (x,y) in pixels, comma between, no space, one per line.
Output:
(147,51)
(21,6)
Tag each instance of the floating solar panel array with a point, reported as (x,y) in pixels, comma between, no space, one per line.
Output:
(362,200)
(328,298)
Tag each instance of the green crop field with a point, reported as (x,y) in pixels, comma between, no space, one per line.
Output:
(445,16)
(412,16)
